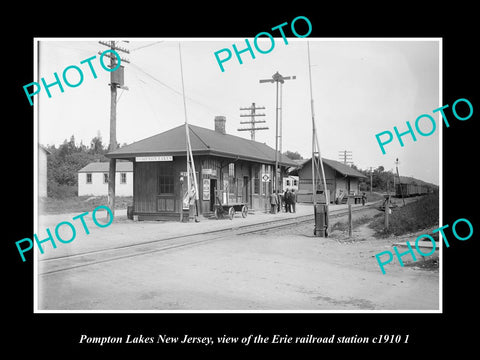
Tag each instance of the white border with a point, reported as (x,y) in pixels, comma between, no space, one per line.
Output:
(35,185)
(35,176)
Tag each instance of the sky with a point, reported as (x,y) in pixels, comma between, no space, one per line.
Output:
(360,88)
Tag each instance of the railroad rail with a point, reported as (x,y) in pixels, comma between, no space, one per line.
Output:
(70,262)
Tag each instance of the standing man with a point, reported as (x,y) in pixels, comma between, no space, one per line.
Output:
(279,201)
(293,200)
(287,201)
(364,199)
(193,211)
(273,202)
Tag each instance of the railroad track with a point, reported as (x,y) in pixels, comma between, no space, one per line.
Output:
(70,262)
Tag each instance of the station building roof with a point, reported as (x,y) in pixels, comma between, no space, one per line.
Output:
(203,142)
(121,166)
(336,165)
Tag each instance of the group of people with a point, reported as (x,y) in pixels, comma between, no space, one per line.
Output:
(279,201)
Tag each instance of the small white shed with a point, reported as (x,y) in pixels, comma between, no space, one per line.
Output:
(93,179)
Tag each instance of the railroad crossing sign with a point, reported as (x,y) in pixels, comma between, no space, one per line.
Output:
(265,177)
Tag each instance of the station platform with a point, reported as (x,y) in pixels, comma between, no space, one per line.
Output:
(124,232)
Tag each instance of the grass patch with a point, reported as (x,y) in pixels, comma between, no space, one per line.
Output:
(80,204)
(374,197)
(415,216)
(343,225)
(430,264)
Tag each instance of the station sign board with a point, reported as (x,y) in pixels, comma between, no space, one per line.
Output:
(212,172)
(153,158)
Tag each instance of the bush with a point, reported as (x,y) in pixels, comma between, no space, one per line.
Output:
(416,216)
(58,191)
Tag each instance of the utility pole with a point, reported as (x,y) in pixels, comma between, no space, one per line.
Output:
(277,78)
(346,155)
(252,121)
(116,81)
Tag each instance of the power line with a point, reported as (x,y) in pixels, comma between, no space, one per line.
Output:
(171,88)
(148,45)
(157,80)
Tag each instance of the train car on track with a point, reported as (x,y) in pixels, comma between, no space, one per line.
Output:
(412,189)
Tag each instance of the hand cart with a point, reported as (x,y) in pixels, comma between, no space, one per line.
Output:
(221,210)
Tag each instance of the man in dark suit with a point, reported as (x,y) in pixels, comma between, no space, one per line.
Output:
(293,200)
(273,203)
(287,200)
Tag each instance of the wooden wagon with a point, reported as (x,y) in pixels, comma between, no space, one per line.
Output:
(228,209)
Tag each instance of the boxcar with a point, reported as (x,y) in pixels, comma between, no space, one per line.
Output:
(407,190)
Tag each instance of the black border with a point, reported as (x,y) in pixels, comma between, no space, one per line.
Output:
(429,333)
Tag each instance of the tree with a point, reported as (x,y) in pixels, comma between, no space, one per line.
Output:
(96,145)
(380,178)
(67,148)
(293,155)
(63,164)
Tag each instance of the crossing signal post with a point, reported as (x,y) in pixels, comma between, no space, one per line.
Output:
(277,78)
(320,211)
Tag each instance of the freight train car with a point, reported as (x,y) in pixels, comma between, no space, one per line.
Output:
(408,190)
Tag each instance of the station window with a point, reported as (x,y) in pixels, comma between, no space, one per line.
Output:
(256,179)
(165,184)
(105,178)
(165,180)
(89,178)
(123,178)
(256,186)
(265,188)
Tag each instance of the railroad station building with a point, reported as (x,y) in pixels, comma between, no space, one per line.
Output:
(342,181)
(235,166)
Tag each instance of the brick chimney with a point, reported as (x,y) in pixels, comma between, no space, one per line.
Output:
(220,124)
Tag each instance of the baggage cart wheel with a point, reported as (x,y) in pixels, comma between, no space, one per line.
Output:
(231,212)
(244,211)
(217,213)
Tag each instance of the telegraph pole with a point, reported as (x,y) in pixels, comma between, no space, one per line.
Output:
(277,78)
(116,81)
(346,155)
(252,121)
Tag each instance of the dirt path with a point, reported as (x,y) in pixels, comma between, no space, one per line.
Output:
(285,270)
